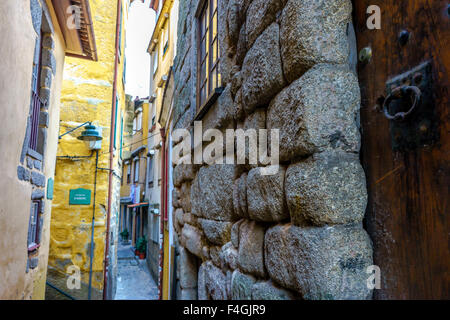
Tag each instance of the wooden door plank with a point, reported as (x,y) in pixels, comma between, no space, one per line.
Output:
(408,210)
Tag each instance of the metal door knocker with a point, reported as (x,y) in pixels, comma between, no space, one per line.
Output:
(403,92)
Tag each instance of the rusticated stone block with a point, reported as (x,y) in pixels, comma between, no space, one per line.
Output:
(327,188)
(49,60)
(241,286)
(38,179)
(261,71)
(222,113)
(228,256)
(260,14)
(185,201)
(176,201)
(316,112)
(36,15)
(313,32)
(241,49)
(46,78)
(191,219)
(37,194)
(188,294)
(235,233)
(211,195)
(188,269)
(23,174)
(202,291)
(215,282)
(267,290)
(192,239)
(48,41)
(178,219)
(240,196)
(320,262)
(183,172)
(214,253)
(233,20)
(238,105)
(217,232)
(251,248)
(266,198)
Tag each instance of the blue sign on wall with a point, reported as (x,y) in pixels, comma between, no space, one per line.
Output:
(80,197)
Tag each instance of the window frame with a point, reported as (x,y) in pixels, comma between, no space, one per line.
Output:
(37,103)
(136,170)
(155,57)
(129,173)
(212,90)
(33,241)
(150,177)
(165,38)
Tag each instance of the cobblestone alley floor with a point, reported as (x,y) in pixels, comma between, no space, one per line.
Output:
(134,281)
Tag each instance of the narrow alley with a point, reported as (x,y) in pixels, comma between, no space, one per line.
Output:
(224,150)
(134,281)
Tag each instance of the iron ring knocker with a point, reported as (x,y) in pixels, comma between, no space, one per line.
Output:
(400,93)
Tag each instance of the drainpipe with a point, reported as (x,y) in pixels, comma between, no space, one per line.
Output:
(92,229)
(161,216)
(111,151)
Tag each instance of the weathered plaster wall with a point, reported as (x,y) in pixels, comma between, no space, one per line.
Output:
(23,275)
(87,96)
(50,158)
(297,234)
(15,80)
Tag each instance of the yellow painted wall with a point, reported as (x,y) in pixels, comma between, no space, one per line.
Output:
(165,62)
(87,96)
(15,195)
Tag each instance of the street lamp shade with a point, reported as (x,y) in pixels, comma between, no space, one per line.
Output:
(90,134)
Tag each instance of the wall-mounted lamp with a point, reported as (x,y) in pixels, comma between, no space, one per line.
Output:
(91,135)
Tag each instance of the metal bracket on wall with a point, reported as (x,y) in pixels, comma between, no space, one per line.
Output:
(410,107)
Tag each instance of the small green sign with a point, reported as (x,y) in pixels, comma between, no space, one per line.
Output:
(80,197)
(50,189)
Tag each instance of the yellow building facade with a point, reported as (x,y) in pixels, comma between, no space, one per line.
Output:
(162,49)
(92,92)
(133,219)
(32,67)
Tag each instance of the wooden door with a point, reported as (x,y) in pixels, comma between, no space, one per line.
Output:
(408,184)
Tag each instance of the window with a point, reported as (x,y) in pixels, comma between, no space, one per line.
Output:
(129,173)
(139,121)
(36,101)
(136,170)
(155,60)
(208,59)
(150,172)
(154,236)
(34,226)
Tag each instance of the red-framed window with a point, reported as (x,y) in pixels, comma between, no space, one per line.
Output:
(208,49)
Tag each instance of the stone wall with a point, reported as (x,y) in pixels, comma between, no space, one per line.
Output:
(298,234)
